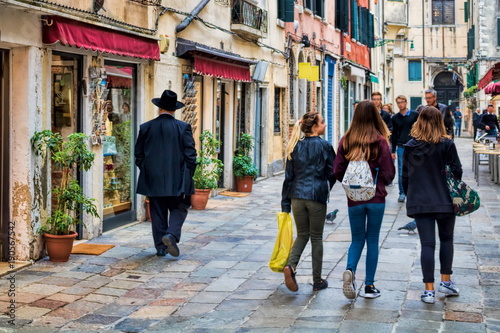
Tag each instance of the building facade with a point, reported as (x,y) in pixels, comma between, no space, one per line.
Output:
(94,66)
(427,44)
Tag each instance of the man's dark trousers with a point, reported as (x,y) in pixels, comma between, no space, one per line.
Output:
(168,215)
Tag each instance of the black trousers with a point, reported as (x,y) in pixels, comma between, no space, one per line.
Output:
(168,215)
(426,224)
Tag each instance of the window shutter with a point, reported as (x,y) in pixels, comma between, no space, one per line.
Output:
(341,15)
(471,40)
(414,70)
(498,31)
(289,10)
(466,11)
(354,20)
(371,35)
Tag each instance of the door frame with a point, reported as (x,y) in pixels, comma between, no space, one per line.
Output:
(131,215)
(5,216)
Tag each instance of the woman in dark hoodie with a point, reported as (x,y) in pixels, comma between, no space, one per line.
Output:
(308,181)
(424,160)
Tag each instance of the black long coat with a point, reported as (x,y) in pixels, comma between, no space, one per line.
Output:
(166,156)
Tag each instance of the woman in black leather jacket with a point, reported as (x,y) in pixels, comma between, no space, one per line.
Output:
(308,180)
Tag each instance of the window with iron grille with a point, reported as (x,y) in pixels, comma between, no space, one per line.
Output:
(278,94)
(443,11)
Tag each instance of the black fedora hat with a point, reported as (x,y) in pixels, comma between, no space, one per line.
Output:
(168,101)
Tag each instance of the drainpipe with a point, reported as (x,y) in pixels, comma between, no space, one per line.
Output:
(423,44)
(183,25)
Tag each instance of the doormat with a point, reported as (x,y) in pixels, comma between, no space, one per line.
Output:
(234,194)
(86,248)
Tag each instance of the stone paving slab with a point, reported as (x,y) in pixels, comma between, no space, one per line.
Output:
(221,281)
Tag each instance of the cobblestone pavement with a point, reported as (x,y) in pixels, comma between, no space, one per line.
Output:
(221,281)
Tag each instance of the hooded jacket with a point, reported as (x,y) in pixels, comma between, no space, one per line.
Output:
(309,174)
(424,180)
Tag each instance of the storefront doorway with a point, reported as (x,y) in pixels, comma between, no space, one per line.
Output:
(66,103)
(118,151)
(4,155)
(220,120)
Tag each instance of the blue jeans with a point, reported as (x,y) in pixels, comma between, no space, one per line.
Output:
(399,152)
(365,221)
(458,127)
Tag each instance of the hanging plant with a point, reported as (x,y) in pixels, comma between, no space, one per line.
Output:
(343,81)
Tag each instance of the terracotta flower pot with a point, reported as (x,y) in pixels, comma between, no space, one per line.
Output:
(59,246)
(244,184)
(199,199)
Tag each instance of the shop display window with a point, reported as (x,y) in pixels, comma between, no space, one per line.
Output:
(117,140)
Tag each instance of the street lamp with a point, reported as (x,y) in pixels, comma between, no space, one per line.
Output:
(383,41)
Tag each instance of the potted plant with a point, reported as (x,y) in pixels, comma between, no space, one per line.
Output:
(208,170)
(67,156)
(244,170)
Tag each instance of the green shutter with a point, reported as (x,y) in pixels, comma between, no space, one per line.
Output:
(354,20)
(466,11)
(289,9)
(498,31)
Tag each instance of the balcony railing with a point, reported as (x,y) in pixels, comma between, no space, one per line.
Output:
(251,16)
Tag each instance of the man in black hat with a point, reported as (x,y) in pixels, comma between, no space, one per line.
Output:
(166,156)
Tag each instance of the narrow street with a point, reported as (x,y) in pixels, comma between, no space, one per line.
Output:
(221,281)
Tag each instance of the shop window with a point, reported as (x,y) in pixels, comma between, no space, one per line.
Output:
(278,97)
(414,70)
(443,12)
(117,139)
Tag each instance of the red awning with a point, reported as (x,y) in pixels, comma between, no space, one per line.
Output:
(96,38)
(493,89)
(220,69)
(489,76)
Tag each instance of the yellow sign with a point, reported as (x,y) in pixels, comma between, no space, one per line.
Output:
(306,71)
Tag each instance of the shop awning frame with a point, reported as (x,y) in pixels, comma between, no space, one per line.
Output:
(96,38)
(186,48)
(214,62)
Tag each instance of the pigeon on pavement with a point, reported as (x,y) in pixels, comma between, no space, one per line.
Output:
(410,226)
(331,216)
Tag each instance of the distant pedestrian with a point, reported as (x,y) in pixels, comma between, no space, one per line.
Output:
(402,122)
(458,121)
(388,108)
(490,121)
(386,117)
(366,139)
(308,180)
(476,121)
(166,156)
(431,99)
(424,160)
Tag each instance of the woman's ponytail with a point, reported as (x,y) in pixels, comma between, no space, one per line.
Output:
(294,138)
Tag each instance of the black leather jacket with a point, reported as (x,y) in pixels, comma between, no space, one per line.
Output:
(309,174)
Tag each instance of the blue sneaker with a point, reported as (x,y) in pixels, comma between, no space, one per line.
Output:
(448,288)
(428,296)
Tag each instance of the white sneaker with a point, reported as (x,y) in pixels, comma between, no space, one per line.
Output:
(428,297)
(349,287)
(449,289)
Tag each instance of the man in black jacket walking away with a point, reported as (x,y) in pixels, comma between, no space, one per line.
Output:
(402,123)
(166,156)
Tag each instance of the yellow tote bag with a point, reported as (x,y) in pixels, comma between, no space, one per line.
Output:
(284,242)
